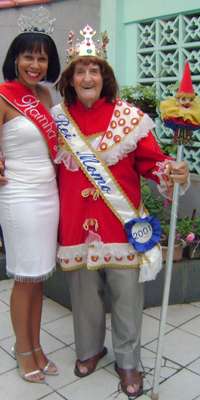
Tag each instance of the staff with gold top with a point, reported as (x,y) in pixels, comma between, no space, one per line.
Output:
(182,114)
(105,234)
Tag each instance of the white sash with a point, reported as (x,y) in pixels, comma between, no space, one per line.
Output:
(102,179)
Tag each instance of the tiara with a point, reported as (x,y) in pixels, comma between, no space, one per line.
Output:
(38,21)
(86,47)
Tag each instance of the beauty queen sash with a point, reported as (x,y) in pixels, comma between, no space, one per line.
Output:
(143,231)
(22,99)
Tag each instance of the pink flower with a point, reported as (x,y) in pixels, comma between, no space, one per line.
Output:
(166,203)
(190,237)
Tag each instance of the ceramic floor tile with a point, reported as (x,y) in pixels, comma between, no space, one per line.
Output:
(5,296)
(195,366)
(53,396)
(52,311)
(174,389)
(65,360)
(48,343)
(5,324)
(62,329)
(179,346)
(168,368)
(118,396)
(192,326)
(6,284)
(13,387)
(150,329)
(122,396)
(176,314)
(147,367)
(196,303)
(7,363)
(3,306)
(100,385)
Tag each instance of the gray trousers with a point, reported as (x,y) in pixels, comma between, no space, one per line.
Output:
(86,290)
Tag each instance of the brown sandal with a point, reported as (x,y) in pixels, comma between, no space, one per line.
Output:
(90,364)
(130,377)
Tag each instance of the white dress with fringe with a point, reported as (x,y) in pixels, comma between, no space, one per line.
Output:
(29,207)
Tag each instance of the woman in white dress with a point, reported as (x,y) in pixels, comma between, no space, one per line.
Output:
(28,192)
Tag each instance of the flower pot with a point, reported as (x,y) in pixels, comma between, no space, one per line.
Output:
(193,250)
(178,252)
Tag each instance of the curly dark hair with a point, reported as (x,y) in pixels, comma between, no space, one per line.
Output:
(110,85)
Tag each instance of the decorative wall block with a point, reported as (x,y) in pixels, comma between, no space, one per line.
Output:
(163,47)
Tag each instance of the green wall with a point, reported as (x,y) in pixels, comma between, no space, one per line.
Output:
(119,18)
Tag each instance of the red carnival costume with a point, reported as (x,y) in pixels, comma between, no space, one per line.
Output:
(106,237)
(95,238)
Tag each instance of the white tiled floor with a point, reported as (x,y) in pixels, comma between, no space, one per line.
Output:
(180,373)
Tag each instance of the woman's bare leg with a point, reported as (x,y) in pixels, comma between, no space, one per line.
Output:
(22,298)
(36,325)
(41,359)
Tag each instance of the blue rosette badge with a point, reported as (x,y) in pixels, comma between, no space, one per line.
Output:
(143,233)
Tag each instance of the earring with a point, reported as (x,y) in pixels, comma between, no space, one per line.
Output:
(16,69)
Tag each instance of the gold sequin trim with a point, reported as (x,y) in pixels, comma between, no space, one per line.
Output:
(134,121)
(103,146)
(127,111)
(122,122)
(126,130)
(91,222)
(117,138)
(117,113)
(78,259)
(94,258)
(113,124)
(95,193)
(107,258)
(109,134)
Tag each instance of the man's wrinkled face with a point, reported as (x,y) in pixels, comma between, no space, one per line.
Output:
(87,82)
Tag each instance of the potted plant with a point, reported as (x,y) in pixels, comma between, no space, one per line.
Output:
(187,233)
(193,239)
(142,96)
(182,235)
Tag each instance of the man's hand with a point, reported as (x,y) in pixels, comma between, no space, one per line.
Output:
(177,172)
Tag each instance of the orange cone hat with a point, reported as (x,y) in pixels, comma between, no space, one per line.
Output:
(185,87)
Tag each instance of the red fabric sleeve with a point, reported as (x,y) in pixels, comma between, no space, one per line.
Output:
(147,154)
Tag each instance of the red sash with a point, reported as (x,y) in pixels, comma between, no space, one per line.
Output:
(24,101)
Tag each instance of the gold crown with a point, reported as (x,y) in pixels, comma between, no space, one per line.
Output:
(86,47)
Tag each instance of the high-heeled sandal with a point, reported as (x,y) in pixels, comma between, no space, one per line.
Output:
(28,376)
(50,368)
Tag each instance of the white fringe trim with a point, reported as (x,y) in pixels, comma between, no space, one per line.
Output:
(67,159)
(30,279)
(151,264)
(115,255)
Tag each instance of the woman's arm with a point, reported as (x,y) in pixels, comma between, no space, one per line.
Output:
(3,180)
